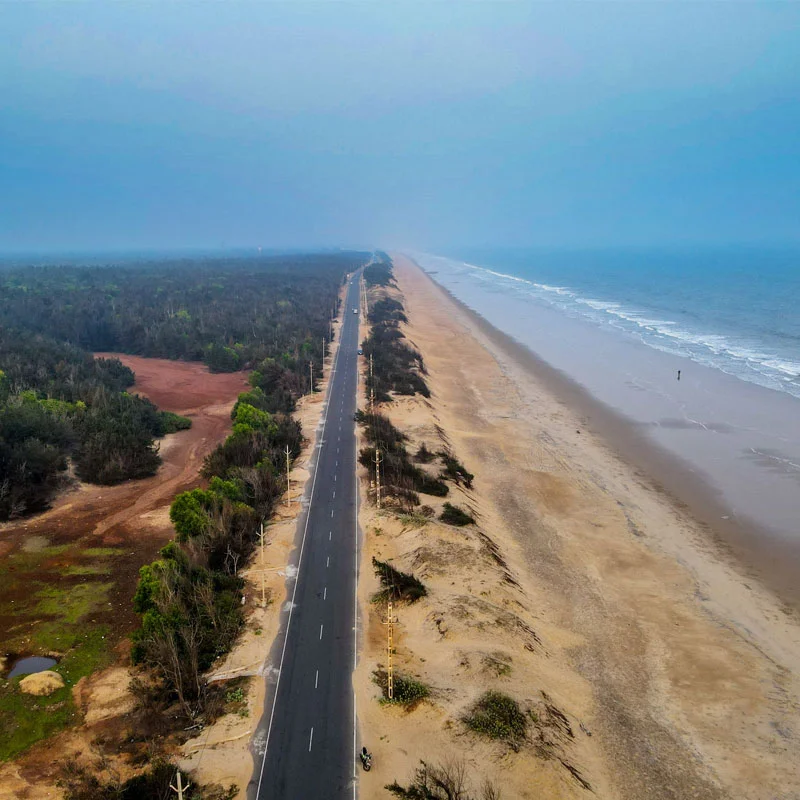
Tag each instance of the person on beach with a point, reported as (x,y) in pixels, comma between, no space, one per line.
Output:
(679,374)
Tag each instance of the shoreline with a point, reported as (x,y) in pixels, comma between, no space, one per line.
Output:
(754,548)
(685,671)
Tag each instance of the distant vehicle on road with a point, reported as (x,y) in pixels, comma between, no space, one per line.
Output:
(355,311)
(361,351)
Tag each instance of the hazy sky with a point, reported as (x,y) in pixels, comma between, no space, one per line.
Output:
(426,125)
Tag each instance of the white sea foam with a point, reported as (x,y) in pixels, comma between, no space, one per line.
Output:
(743,359)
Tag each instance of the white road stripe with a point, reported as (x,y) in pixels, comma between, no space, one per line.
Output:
(310,740)
(325,594)
(327,562)
(316,680)
(320,631)
(292,606)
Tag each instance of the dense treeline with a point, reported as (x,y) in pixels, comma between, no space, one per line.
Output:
(190,598)
(379,272)
(230,313)
(58,404)
(396,366)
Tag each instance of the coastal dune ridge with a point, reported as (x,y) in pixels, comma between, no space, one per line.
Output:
(727,448)
(691,664)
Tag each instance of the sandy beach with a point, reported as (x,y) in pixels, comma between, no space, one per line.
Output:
(677,672)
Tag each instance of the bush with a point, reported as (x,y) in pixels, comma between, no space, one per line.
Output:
(454,470)
(172,423)
(397,586)
(446,781)
(425,484)
(406,691)
(498,716)
(423,455)
(453,515)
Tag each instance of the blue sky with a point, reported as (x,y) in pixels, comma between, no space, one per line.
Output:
(423,125)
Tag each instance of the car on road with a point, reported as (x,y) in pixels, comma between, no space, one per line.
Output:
(361,351)
(355,311)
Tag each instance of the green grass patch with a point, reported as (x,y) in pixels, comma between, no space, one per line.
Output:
(26,561)
(86,569)
(100,552)
(71,603)
(25,719)
(498,716)
(412,520)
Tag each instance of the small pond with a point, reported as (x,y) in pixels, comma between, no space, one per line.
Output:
(31,664)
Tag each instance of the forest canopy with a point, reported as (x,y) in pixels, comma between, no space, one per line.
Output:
(59,405)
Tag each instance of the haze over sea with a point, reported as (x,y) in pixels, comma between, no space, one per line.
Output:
(733,308)
(622,322)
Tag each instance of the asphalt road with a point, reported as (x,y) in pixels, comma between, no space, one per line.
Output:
(309,719)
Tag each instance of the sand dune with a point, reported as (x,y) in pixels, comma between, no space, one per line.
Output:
(604,599)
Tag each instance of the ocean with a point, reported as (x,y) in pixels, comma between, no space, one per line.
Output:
(733,309)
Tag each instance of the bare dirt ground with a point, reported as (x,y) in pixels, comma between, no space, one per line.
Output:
(676,676)
(100,536)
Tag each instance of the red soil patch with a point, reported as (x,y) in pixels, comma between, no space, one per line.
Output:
(134,515)
(181,386)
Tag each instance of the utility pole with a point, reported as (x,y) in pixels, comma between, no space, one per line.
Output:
(288,496)
(390,622)
(378,477)
(263,570)
(371,387)
(311,372)
(180,788)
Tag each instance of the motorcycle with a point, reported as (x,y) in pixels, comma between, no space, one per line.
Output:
(366,759)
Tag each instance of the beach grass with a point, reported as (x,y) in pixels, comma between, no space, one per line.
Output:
(497,716)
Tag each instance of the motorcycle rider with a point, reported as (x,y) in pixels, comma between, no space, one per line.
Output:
(366,758)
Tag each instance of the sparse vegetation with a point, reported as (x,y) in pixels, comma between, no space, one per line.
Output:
(399,586)
(399,475)
(498,716)
(453,515)
(445,781)
(82,783)
(423,455)
(406,691)
(454,470)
